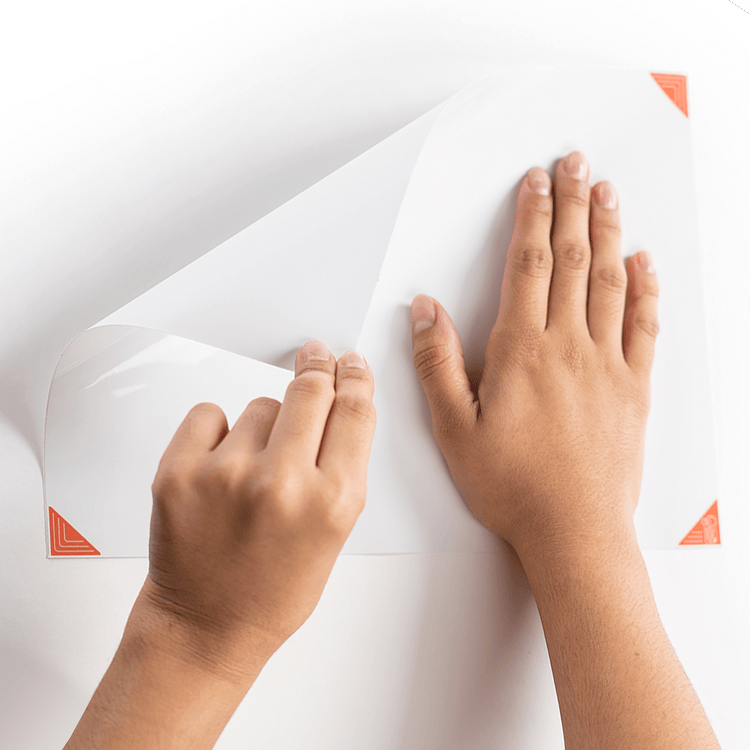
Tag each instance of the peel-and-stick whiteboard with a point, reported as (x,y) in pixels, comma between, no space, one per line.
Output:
(428,210)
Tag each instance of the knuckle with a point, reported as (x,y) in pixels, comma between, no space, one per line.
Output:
(528,345)
(575,198)
(533,260)
(537,207)
(530,348)
(360,374)
(518,345)
(275,490)
(311,384)
(608,225)
(572,355)
(648,324)
(650,286)
(571,254)
(171,480)
(200,412)
(430,359)
(611,277)
(265,403)
(341,512)
(216,474)
(227,466)
(278,484)
(354,406)
(206,407)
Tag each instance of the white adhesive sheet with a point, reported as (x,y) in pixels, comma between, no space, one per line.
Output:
(428,210)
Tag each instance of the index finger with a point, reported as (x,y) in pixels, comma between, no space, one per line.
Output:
(345,450)
(528,267)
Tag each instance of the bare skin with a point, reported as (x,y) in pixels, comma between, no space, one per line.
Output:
(547,452)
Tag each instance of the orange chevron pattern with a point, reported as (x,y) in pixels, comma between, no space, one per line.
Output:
(675,87)
(65,540)
(706,531)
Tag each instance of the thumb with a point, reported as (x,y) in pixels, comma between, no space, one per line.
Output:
(439,362)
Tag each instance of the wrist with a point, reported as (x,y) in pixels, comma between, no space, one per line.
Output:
(618,679)
(154,695)
(580,551)
(184,648)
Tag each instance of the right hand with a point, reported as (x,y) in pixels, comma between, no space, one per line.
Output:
(547,452)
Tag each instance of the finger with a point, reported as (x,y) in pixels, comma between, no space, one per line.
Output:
(528,266)
(608,280)
(201,431)
(439,362)
(302,417)
(570,245)
(345,450)
(251,431)
(641,322)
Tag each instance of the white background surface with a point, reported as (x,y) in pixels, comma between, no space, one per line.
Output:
(136,137)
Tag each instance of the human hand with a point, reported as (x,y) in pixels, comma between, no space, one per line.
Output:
(548,450)
(247,524)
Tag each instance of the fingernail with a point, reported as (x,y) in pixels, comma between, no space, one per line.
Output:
(575,165)
(605,195)
(353,359)
(315,350)
(645,261)
(422,313)
(538,181)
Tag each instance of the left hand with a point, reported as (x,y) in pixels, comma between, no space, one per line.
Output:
(247,523)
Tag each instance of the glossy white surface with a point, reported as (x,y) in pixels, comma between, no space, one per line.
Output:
(139,137)
(112,415)
(440,196)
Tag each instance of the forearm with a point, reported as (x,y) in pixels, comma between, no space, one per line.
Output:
(618,680)
(150,697)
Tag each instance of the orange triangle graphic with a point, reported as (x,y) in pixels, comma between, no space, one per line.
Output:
(706,531)
(65,540)
(675,87)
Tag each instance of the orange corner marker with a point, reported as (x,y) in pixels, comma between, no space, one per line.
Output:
(706,531)
(675,87)
(65,540)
